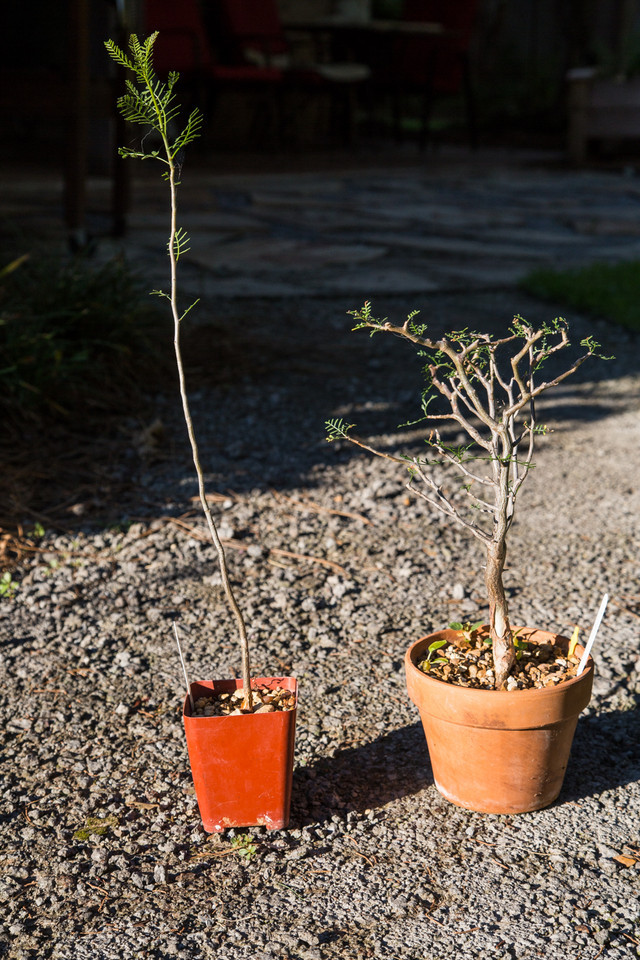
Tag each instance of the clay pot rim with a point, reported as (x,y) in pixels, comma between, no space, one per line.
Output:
(228,685)
(534,693)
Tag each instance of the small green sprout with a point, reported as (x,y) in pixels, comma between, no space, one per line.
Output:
(467,629)
(245,846)
(51,566)
(95,827)
(520,645)
(8,585)
(429,659)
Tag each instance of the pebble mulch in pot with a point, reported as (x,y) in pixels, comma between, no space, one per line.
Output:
(469,664)
(265,700)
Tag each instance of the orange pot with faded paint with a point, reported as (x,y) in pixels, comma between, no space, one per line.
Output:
(242,766)
(495,751)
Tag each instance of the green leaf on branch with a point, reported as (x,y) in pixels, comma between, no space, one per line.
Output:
(150,102)
(180,243)
(337,429)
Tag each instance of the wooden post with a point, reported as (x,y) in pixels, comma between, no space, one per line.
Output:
(579,82)
(75,180)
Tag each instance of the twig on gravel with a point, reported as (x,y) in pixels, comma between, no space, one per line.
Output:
(309,559)
(21,547)
(318,508)
(281,566)
(99,889)
(192,531)
(206,855)
(372,863)
(220,497)
(237,545)
(433,920)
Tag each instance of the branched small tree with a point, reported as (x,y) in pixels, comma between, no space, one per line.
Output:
(152,103)
(490,387)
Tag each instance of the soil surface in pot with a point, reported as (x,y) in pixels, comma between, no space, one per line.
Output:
(467,662)
(265,700)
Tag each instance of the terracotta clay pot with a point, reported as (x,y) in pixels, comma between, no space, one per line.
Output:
(496,751)
(242,766)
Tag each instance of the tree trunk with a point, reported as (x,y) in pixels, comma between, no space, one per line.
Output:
(504,654)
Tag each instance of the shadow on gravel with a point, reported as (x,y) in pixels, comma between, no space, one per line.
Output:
(364,777)
(605,753)
(273,384)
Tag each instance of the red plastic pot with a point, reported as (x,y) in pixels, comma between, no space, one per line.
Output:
(495,751)
(242,766)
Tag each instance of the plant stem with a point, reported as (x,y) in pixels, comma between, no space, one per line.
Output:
(504,655)
(247,702)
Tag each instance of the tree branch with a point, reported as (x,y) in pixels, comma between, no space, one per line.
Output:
(444,505)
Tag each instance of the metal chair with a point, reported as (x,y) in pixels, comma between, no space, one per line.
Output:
(184,45)
(434,66)
(251,32)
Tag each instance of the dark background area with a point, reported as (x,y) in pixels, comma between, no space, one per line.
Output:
(59,88)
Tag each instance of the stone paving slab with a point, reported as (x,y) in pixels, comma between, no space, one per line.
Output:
(482,219)
(416,229)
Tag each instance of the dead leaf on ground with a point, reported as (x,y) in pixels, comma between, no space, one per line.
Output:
(626,861)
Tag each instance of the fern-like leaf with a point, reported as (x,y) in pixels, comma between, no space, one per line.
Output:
(190,133)
(189,308)
(338,429)
(180,243)
(118,55)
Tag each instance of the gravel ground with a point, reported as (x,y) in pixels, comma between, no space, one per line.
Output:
(103,854)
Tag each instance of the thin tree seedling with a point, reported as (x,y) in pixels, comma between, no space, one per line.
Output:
(152,104)
(489,385)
